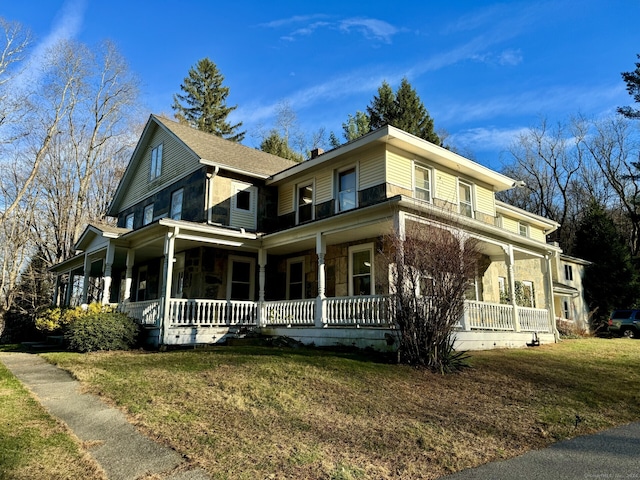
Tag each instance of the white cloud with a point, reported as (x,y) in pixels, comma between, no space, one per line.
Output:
(370,27)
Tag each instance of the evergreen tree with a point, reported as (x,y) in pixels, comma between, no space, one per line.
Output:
(277,145)
(632,79)
(356,126)
(203,105)
(611,281)
(382,110)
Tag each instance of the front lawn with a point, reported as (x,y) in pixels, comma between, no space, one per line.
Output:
(259,412)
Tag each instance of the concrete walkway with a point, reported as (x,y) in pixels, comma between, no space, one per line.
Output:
(122,452)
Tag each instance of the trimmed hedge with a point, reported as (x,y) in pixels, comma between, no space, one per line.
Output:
(101,331)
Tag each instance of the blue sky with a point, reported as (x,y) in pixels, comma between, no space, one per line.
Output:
(485,70)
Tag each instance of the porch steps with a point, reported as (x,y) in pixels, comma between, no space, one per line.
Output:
(52,343)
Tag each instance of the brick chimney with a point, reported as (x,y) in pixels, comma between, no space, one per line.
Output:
(316,152)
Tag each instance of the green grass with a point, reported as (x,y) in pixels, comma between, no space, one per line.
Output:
(32,444)
(259,412)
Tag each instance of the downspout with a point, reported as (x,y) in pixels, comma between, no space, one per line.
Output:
(209,192)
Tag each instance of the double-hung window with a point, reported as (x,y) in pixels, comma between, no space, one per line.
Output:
(295,278)
(361,279)
(347,194)
(523,229)
(465,201)
(176,204)
(305,202)
(422,187)
(128,221)
(148,215)
(568,272)
(156,162)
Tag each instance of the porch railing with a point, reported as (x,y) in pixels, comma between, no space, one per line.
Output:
(290,312)
(212,312)
(146,313)
(487,316)
(370,311)
(533,319)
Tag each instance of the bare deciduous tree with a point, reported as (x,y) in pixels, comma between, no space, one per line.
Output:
(432,267)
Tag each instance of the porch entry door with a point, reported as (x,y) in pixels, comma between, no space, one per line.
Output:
(241,278)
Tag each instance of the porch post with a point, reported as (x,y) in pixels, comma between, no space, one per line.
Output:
(549,303)
(321,304)
(56,291)
(512,286)
(262,280)
(128,280)
(108,263)
(68,293)
(169,248)
(85,282)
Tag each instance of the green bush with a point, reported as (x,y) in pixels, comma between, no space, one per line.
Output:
(55,320)
(101,331)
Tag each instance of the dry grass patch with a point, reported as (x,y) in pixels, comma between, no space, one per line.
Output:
(248,412)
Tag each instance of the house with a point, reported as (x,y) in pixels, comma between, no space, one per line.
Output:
(213,237)
(572,312)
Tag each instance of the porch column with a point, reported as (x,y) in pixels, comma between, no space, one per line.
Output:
(128,280)
(549,303)
(262,280)
(321,304)
(512,285)
(108,263)
(169,248)
(67,294)
(85,283)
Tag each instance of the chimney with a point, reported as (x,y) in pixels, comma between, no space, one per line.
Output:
(316,152)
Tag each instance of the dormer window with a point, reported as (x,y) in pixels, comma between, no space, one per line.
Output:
(422,187)
(465,199)
(156,162)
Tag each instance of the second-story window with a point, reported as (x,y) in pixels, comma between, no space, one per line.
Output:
(347,190)
(523,229)
(422,189)
(243,200)
(156,162)
(176,204)
(148,215)
(568,272)
(465,201)
(305,203)
(128,221)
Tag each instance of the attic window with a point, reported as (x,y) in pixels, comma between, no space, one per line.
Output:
(156,162)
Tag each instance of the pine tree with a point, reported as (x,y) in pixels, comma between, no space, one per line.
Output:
(277,145)
(632,79)
(356,126)
(203,105)
(611,281)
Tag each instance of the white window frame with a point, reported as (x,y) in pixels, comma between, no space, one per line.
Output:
(356,249)
(156,162)
(147,219)
(566,309)
(523,229)
(252,274)
(291,261)
(471,198)
(177,214)
(529,284)
(310,183)
(129,221)
(337,175)
(429,170)
(568,272)
(241,213)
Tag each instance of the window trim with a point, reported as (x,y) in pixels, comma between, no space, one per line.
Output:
(524,233)
(144,214)
(252,274)
(568,272)
(156,162)
(173,204)
(296,199)
(337,175)
(252,213)
(418,165)
(356,249)
(471,198)
(291,261)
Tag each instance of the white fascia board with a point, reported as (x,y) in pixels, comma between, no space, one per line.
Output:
(222,166)
(538,220)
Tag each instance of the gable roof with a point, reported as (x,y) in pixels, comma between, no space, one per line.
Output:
(209,150)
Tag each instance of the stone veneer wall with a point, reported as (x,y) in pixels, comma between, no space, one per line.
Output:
(524,270)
